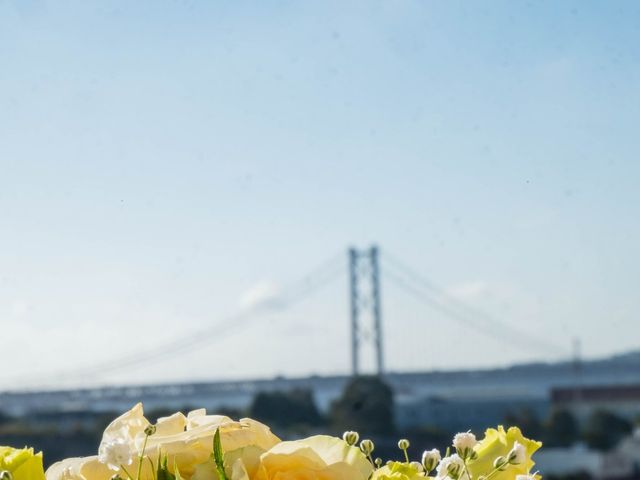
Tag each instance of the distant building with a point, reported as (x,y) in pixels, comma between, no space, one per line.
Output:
(579,460)
(623,400)
(621,463)
(629,449)
(463,413)
(573,461)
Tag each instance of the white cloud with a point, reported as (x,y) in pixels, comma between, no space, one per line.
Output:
(468,290)
(501,299)
(262,295)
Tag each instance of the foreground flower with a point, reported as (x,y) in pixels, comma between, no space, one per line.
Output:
(116,453)
(398,471)
(518,454)
(351,437)
(464,443)
(501,443)
(213,447)
(187,441)
(367,446)
(452,467)
(22,464)
(320,457)
(430,459)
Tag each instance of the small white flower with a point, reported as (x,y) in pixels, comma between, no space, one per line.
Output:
(430,459)
(452,462)
(417,466)
(115,452)
(464,441)
(518,454)
(526,477)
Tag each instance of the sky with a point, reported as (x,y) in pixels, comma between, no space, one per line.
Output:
(168,165)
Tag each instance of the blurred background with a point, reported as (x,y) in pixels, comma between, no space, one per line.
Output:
(322,214)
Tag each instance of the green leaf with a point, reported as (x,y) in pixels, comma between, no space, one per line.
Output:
(176,471)
(218,456)
(163,469)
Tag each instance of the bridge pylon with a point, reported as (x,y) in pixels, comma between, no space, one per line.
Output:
(364,283)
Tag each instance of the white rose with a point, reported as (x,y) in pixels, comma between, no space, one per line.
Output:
(318,457)
(187,441)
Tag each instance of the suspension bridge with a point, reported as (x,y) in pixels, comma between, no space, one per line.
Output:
(366,271)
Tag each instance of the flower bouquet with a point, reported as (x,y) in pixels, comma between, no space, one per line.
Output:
(214,447)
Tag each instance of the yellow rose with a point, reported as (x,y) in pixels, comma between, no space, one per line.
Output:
(398,471)
(187,441)
(498,443)
(315,458)
(23,464)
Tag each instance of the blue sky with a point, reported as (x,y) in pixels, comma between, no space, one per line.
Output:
(162,161)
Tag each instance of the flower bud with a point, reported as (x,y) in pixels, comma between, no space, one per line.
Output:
(150,430)
(351,438)
(403,444)
(417,466)
(518,454)
(367,446)
(500,463)
(430,459)
(6,475)
(378,462)
(454,470)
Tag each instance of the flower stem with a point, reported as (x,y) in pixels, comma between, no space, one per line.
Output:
(125,471)
(141,457)
(493,472)
(466,469)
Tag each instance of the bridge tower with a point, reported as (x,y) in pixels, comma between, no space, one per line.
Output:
(365,312)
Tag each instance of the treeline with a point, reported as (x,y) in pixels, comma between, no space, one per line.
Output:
(366,405)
